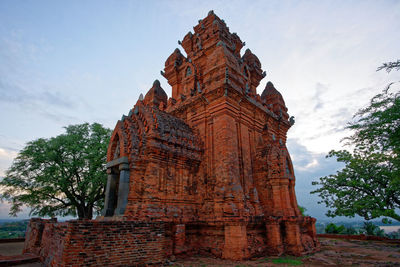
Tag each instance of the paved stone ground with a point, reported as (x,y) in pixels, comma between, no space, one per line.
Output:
(11,249)
(11,255)
(334,252)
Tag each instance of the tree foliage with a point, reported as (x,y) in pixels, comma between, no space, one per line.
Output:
(389,66)
(302,210)
(371,229)
(394,234)
(369,184)
(335,229)
(15,229)
(63,175)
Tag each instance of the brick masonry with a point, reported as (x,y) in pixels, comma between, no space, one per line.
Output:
(210,162)
(98,243)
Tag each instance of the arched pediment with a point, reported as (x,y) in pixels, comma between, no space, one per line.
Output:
(118,143)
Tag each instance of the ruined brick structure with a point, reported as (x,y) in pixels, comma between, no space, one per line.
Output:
(97,243)
(212,159)
(208,165)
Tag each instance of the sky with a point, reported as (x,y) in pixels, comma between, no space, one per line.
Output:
(70,62)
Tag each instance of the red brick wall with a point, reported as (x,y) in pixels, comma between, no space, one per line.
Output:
(100,243)
(257,239)
(210,239)
(33,236)
(359,237)
(52,243)
(205,239)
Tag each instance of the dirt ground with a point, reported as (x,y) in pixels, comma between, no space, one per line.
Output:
(334,252)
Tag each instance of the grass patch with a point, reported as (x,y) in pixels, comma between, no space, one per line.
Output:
(287,260)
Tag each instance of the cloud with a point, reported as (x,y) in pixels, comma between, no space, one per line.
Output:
(47,104)
(25,88)
(303,159)
(6,158)
(5,209)
(7,154)
(308,167)
(13,93)
(59,117)
(322,116)
(56,99)
(319,103)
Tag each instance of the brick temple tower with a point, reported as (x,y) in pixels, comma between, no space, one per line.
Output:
(211,160)
(205,171)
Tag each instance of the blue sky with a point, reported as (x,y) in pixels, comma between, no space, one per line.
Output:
(69,62)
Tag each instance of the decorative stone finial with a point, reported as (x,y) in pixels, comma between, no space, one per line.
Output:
(155,95)
(291,120)
(271,95)
(141,97)
(156,83)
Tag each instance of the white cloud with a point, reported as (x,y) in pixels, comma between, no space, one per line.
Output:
(6,158)
(7,154)
(309,166)
(313,164)
(5,209)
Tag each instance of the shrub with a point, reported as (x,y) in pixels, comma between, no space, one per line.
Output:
(334,229)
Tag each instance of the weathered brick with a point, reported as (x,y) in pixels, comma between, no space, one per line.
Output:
(206,170)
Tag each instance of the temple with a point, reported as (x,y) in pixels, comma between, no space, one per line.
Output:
(209,165)
(212,159)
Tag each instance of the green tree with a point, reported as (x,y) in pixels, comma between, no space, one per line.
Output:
(394,234)
(302,210)
(334,229)
(369,183)
(350,231)
(63,175)
(372,229)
